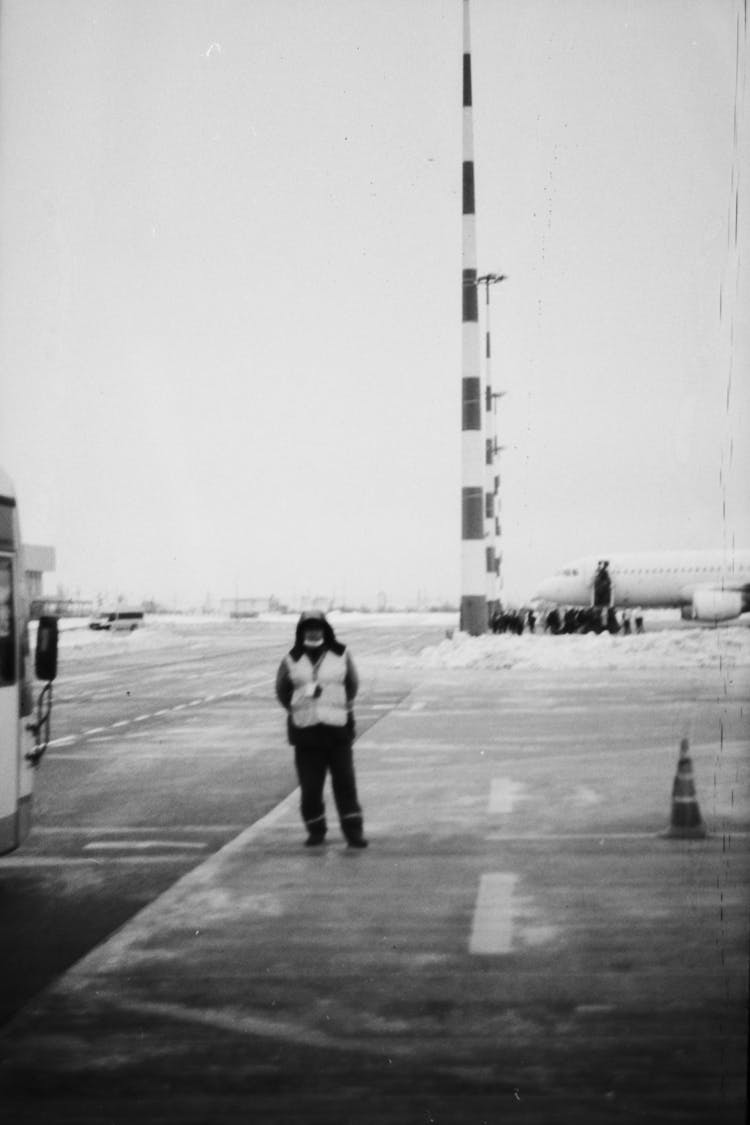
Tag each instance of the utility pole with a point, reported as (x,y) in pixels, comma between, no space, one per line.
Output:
(473,618)
(493,554)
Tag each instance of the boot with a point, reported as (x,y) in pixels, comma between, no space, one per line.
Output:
(316,831)
(351,826)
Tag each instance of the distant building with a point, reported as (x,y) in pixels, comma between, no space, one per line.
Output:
(244,607)
(38,561)
(308,602)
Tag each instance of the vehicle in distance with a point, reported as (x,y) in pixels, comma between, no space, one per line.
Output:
(117,619)
(703,585)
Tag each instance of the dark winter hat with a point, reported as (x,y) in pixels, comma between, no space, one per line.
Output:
(314,617)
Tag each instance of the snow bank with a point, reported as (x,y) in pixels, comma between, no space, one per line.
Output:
(690,648)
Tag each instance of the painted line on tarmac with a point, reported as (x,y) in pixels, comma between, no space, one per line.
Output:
(423,746)
(142,845)
(116,949)
(149,755)
(426,742)
(69,739)
(527,755)
(88,861)
(111,830)
(243,1023)
(492,925)
(507,837)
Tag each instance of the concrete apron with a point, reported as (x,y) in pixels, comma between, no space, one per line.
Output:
(518,930)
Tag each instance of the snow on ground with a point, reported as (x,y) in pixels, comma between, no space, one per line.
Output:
(674,648)
(666,642)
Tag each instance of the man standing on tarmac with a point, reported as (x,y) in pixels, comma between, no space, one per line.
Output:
(316,683)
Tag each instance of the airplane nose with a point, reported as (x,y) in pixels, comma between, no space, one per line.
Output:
(544,590)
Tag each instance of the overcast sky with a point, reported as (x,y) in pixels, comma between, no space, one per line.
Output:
(230,287)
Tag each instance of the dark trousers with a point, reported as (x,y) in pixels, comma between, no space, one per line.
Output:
(313,763)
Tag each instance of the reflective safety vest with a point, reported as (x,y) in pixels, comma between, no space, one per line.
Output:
(318,691)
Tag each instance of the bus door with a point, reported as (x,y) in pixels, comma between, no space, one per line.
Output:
(10,707)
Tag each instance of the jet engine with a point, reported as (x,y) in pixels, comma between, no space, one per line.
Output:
(714,605)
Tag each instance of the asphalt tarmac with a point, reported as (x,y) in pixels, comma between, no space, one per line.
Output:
(520,942)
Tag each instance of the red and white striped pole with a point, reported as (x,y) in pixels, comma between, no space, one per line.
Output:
(473,617)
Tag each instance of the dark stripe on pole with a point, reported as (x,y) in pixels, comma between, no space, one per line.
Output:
(471,403)
(467,80)
(470,305)
(468,185)
(472,513)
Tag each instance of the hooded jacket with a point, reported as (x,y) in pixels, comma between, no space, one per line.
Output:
(317,687)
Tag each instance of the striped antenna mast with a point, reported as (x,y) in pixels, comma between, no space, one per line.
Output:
(473,619)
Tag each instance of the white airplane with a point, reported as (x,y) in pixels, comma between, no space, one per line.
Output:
(704,585)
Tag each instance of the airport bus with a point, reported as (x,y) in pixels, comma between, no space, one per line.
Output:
(117,619)
(24,731)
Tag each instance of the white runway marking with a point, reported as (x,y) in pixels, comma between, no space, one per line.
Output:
(238,1022)
(79,756)
(128,830)
(146,754)
(504,794)
(87,861)
(510,837)
(140,845)
(492,929)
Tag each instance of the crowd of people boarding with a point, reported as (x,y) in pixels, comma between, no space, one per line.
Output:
(600,617)
(590,619)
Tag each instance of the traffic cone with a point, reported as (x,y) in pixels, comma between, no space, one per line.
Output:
(687,822)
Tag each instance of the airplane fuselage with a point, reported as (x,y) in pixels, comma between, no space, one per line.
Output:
(706,585)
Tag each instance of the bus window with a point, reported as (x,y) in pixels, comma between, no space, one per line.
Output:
(8,672)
